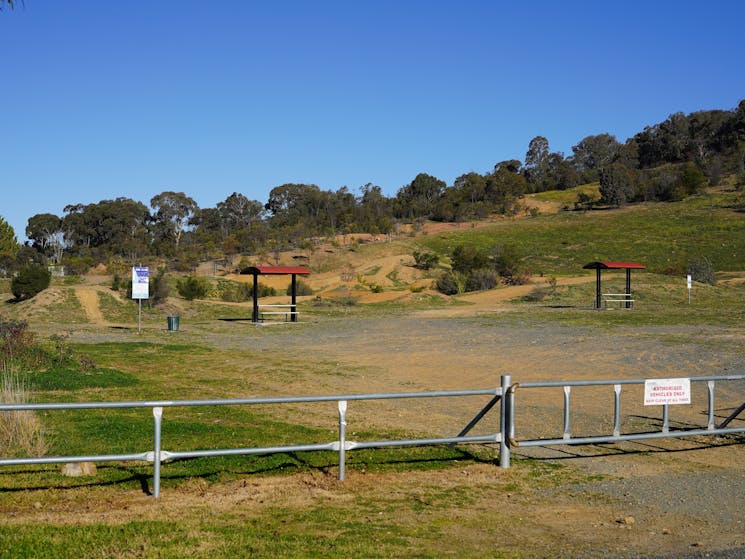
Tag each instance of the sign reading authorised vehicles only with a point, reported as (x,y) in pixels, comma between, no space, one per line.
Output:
(658,392)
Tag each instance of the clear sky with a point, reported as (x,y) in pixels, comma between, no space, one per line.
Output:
(105,98)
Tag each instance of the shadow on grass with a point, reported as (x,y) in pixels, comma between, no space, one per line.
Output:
(277,464)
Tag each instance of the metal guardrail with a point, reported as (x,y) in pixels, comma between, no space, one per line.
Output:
(665,432)
(503,395)
(341,446)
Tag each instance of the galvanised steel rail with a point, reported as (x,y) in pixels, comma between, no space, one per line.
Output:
(503,395)
(342,445)
(567,439)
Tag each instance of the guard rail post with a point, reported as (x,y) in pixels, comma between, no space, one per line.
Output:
(505,422)
(342,438)
(158,420)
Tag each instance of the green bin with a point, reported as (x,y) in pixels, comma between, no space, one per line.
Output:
(173,323)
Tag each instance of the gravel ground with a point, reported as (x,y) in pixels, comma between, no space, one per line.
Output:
(688,495)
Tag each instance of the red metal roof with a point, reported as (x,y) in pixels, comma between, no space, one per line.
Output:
(276,270)
(614,266)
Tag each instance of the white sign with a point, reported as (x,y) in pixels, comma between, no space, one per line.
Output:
(689,281)
(667,391)
(140,283)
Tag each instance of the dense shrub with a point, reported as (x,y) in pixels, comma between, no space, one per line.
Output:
(266,290)
(508,262)
(31,279)
(158,287)
(193,287)
(466,258)
(21,432)
(481,279)
(78,265)
(16,343)
(701,270)
(301,288)
(233,291)
(425,260)
(450,283)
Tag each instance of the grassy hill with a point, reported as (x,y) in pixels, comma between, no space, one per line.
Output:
(663,236)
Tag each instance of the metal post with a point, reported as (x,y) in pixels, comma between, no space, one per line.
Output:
(505,420)
(342,438)
(255,297)
(665,418)
(617,410)
(158,417)
(293,308)
(567,391)
(628,288)
(710,386)
(598,289)
(139,316)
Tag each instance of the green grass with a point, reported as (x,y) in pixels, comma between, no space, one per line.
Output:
(411,518)
(658,300)
(663,236)
(73,379)
(569,196)
(117,310)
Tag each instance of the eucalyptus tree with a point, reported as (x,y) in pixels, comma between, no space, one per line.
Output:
(106,228)
(9,246)
(172,213)
(418,198)
(47,235)
(592,153)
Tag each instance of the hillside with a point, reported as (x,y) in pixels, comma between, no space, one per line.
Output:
(553,242)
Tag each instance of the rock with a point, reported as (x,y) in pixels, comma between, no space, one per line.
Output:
(78,469)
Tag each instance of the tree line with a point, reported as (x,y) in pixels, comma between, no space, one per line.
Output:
(664,162)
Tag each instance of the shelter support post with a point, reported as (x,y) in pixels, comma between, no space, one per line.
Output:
(293,308)
(255,297)
(628,288)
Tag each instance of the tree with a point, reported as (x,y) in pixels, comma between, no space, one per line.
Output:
(466,258)
(47,234)
(373,210)
(616,185)
(544,169)
(418,198)
(692,178)
(238,212)
(109,227)
(173,212)
(592,153)
(31,279)
(9,246)
(294,209)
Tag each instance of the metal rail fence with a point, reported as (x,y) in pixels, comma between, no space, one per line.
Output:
(711,428)
(505,395)
(157,455)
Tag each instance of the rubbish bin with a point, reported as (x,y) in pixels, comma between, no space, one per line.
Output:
(173,323)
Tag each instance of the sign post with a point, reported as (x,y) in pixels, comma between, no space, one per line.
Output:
(690,284)
(140,290)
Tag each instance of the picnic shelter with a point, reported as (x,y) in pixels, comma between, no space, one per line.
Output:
(624,298)
(289,311)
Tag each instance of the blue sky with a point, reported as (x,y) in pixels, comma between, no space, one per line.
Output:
(102,99)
